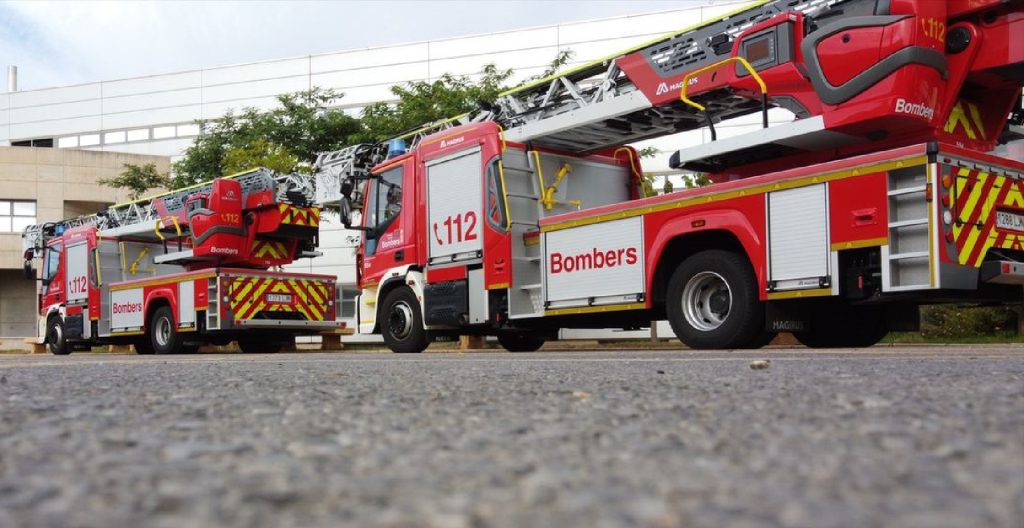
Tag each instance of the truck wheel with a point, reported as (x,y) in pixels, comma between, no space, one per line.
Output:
(712,302)
(143,347)
(56,341)
(847,327)
(401,322)
(520,342)
(163,332)
(260,344)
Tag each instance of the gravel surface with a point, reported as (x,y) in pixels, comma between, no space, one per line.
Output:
(908,438)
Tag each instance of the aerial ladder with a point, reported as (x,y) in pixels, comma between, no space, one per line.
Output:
(855,75)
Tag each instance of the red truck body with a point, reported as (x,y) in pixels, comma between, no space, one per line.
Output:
(191,268)
(880,196)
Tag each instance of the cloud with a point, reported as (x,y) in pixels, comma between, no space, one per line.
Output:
(60,43)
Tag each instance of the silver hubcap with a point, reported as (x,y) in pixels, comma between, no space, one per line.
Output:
(706,301)
(162,331)
(400,320)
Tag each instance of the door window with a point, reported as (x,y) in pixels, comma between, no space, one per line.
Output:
(52,263)
(384,203)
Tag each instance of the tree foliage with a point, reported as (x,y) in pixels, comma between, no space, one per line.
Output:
(422,102)
(305,124)
(259,153)
(137,179)
(957,322)
(296,131)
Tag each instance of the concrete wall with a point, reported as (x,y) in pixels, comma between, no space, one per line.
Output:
(62,183)
(17,306)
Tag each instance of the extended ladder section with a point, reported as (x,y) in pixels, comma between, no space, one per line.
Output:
(635,95)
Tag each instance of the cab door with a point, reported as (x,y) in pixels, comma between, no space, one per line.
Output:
(389,217)
(53,277)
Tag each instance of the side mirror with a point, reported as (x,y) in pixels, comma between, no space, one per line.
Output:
(345,210)
(28,270)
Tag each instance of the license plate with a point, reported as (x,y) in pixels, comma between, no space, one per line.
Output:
(280,298)
(1010,221)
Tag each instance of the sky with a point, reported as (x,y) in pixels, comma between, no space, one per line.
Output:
(63,43)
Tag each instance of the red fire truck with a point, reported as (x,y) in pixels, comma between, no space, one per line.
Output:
(189,267)
(879,196)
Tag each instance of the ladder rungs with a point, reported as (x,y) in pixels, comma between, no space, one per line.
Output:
(905,223)
(530,286)
(528,259)
(530,224)
(518,169)
(910,255)
(908,190)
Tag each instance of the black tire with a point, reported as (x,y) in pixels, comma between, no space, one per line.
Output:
(520,342)
(144,347)
(842,326)
(712,302)
(163,332)
(260,344)
(56,339)
(401,322)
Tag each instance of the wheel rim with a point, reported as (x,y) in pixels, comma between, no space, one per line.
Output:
(55,335)
(706,301)
(162,331)
(400,320)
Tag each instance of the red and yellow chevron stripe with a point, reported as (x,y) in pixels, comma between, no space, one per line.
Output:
(300,216)
(250,296)
(270,249)
(978,196)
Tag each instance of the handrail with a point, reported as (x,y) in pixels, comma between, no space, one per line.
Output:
(160,223)
(701,108)
(504,194)
(540,173)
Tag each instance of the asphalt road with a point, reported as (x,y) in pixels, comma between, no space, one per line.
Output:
(912,437)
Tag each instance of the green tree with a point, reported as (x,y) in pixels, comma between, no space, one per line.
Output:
(556,64)
(423,102)
(286,137)
(259,153)
(137,179)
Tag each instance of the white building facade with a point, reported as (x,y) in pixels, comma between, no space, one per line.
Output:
(157,114)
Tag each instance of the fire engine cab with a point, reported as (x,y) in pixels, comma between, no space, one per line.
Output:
(189,267)
(882,193)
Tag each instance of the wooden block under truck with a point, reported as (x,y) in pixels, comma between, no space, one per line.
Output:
(190,267)
(883,193)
